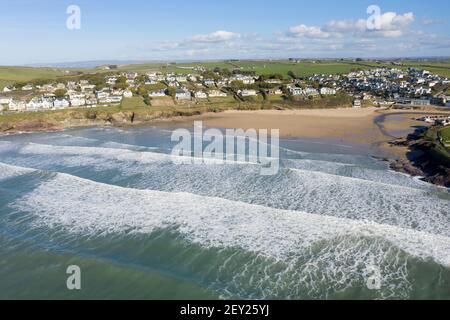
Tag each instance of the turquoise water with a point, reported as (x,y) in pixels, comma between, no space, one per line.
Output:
(112,202)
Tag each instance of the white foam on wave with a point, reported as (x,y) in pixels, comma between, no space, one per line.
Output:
(143,157)
(86,207)
(293,189)
(8,171)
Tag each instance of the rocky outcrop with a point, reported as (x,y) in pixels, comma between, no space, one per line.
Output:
(423,159)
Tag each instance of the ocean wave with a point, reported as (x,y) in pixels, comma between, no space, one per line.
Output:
(9,171)
(408,206)
(85,206)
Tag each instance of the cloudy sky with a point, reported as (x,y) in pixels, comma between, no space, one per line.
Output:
(36,31)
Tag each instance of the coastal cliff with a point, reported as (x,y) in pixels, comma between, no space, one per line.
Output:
(426,157)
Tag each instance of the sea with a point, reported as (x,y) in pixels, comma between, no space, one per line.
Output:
(334,223)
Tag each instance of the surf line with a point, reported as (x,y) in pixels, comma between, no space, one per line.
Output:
(236,145)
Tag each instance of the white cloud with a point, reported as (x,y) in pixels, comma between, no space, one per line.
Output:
(309,32)
(392,25)
(218,36)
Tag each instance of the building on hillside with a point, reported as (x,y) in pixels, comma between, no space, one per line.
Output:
(158,93)
(209,82)
(200,95)
(327,91)
(17,105)
(28,87)
(61,103)
(295,91)
(216,94)
(127,94)
(182,94)
(248,93)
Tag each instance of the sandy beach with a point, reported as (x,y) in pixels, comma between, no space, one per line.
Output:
(345,125)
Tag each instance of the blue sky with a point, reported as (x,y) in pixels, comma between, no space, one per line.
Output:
(35,31)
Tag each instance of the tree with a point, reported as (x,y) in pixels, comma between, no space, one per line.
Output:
(142,91)
(292,75)
(60,93)
(171,91)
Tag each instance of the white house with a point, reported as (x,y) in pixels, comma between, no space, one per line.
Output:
(216,94)
(61,103)
(327,91)
(182,94)
(8,89)
(87,88)
(102,94)
(248,93)
(17,105)
(5,100)
(39,103)
(111,80)
(311,92)
(28,87)
(248,81)
(295,91)
(77,101)
(127,94)
(158,93)
(111,99)
(181,78)
(209,82)
(201,95)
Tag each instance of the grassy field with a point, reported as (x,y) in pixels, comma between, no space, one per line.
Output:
(259,67)
(134,102)
(11,75)
(445,135)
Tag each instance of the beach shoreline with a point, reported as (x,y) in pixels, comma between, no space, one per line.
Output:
(374,129)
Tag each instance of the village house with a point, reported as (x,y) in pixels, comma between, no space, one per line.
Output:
(127,94)
(158,93)
(209,82)
(47,88)
(150,82)
(110,100)
(8,89)
(87,88)
(17,105)
(111,80)
(5,100)
(182,94)
(327,91)
(61,103)
(311,91)
(77,100)
(200,95)
(295,91)
(181,78)
(39,103)
(248,93)
(216,94)
(28,87)
(275,92)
